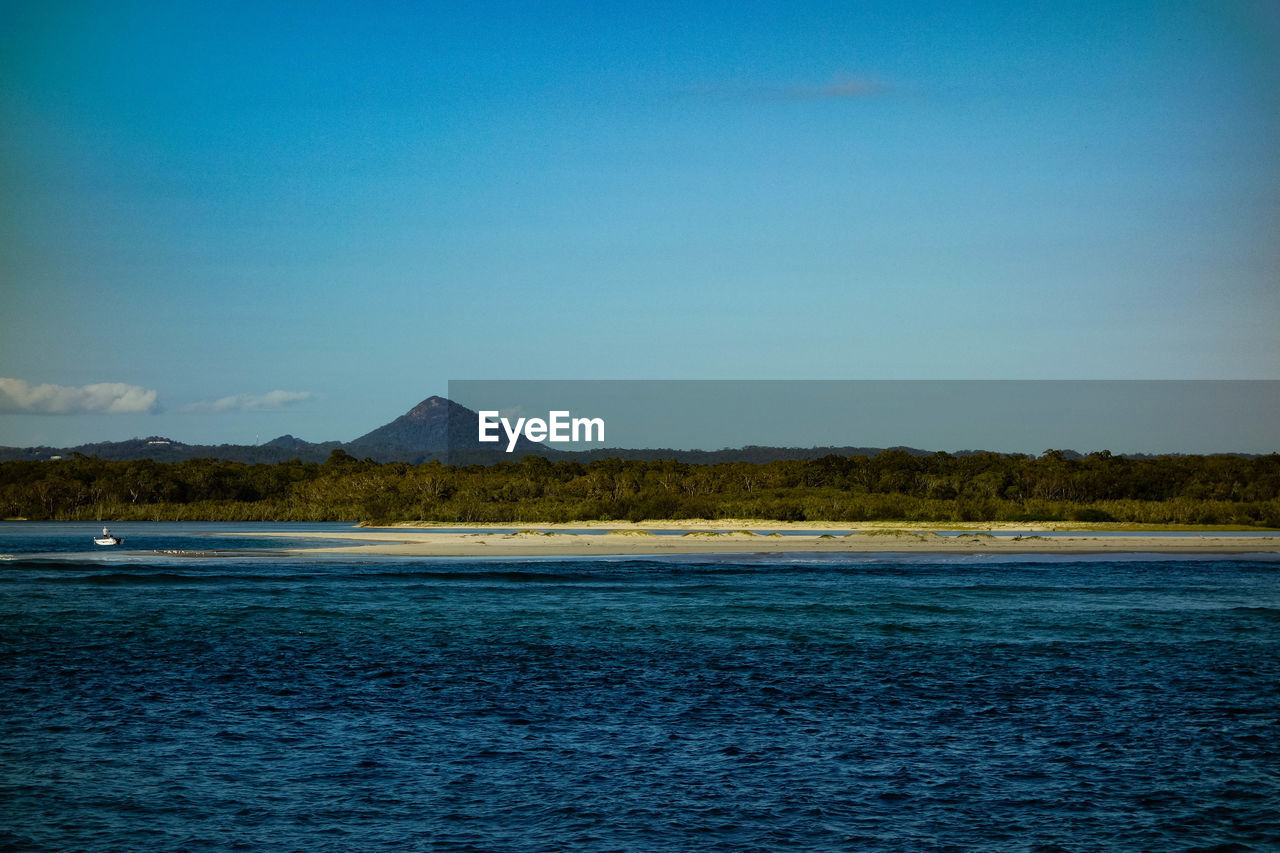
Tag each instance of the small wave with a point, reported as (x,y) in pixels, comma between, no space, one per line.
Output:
(155,578)
(918,607)
(1257,610)
(496,576)
(125,578)
(901,628)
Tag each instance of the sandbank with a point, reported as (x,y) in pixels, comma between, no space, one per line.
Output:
(622,539)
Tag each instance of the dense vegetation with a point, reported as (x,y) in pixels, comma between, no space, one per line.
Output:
(891,485)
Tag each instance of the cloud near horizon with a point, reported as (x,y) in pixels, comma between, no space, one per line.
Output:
(113,398)
(250,402)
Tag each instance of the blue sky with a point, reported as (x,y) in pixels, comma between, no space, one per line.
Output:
(227,221)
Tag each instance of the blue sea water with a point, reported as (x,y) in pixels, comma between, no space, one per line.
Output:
(197,691)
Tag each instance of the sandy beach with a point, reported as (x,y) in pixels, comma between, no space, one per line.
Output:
(620,539)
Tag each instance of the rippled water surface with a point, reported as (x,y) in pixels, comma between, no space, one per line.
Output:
(233,700)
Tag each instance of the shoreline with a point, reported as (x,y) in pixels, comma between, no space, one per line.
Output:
(734,524)
(623,539)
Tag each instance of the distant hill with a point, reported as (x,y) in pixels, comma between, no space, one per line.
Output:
(163,449)
(436,428)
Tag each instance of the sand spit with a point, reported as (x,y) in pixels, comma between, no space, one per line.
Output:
(622,540)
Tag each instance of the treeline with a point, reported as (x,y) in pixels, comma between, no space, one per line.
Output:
(891,485)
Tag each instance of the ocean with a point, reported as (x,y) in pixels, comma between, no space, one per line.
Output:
(192,690)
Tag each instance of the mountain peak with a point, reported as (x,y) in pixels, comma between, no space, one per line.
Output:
(287,441)
(437,425)
(432,407)
(424,427)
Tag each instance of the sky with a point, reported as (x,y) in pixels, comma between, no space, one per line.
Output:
(223,222)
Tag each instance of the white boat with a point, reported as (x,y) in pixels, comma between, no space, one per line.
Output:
(106,538)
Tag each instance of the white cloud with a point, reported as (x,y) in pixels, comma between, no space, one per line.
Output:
(250,402)
(114,398)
